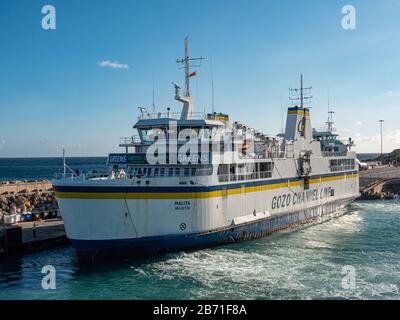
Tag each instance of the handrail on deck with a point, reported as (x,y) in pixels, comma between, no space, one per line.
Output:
(82,176)
(171,115)
(334,154)
(129,140)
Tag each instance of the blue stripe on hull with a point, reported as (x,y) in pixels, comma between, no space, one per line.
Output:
(91,250)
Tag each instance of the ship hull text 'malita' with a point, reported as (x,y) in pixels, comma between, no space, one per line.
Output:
(238,184)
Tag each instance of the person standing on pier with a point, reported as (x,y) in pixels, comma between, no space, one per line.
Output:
(34,226)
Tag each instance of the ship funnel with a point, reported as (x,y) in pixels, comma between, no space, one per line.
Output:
(298,124)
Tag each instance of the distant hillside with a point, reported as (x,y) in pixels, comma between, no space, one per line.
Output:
(367,156)
(393,157)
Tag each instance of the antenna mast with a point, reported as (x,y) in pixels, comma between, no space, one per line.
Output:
(300,95)
(154,103)
(187,70)
(188,63)
(186,99)
(330,122)
(212,87)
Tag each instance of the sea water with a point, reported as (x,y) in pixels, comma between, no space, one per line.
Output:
(306,263)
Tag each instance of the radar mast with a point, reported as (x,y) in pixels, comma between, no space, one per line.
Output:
(187,64)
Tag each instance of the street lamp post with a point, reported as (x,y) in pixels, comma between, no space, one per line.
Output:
(381,122)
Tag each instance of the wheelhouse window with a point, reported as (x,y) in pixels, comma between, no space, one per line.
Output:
(151,134)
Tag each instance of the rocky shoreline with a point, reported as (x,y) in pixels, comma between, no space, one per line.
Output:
(27,205)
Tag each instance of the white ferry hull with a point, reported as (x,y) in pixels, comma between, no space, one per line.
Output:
(104,222)
(91,250)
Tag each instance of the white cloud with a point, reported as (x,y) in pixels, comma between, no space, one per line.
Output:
(394,137)
(391,141)
(389,92)
(358,123)
(113,64)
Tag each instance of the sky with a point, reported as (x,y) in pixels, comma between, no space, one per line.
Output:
(79,85)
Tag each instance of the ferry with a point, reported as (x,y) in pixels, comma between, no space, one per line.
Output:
(192,180)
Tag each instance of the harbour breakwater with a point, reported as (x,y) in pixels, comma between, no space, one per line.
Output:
(10,187)
(387,189)
(34,199)
(380,183)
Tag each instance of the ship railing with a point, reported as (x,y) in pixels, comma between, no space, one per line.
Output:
(271,155)
(244,177)
(81,176)
(201,172)
(325,129)
(171,115)
(334,154)
(129,140)
(278,155)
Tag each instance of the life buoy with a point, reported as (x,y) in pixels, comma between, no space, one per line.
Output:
(122,174)
(246,145)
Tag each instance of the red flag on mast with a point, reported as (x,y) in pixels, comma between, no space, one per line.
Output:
(193,74)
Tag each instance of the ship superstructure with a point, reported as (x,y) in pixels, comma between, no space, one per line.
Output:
(193,180)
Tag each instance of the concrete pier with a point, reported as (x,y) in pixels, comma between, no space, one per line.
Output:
(49,234)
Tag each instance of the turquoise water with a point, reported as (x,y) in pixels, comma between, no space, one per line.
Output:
(301,264)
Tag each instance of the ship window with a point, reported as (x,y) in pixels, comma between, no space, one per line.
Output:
(223,173)
(177,171)
(149,172)
(187,172)
(162,172)
(193,171)
(156,170)
(342,164)
(170,172)
(205,170)
(140,172)
(223,169)
(266,169)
